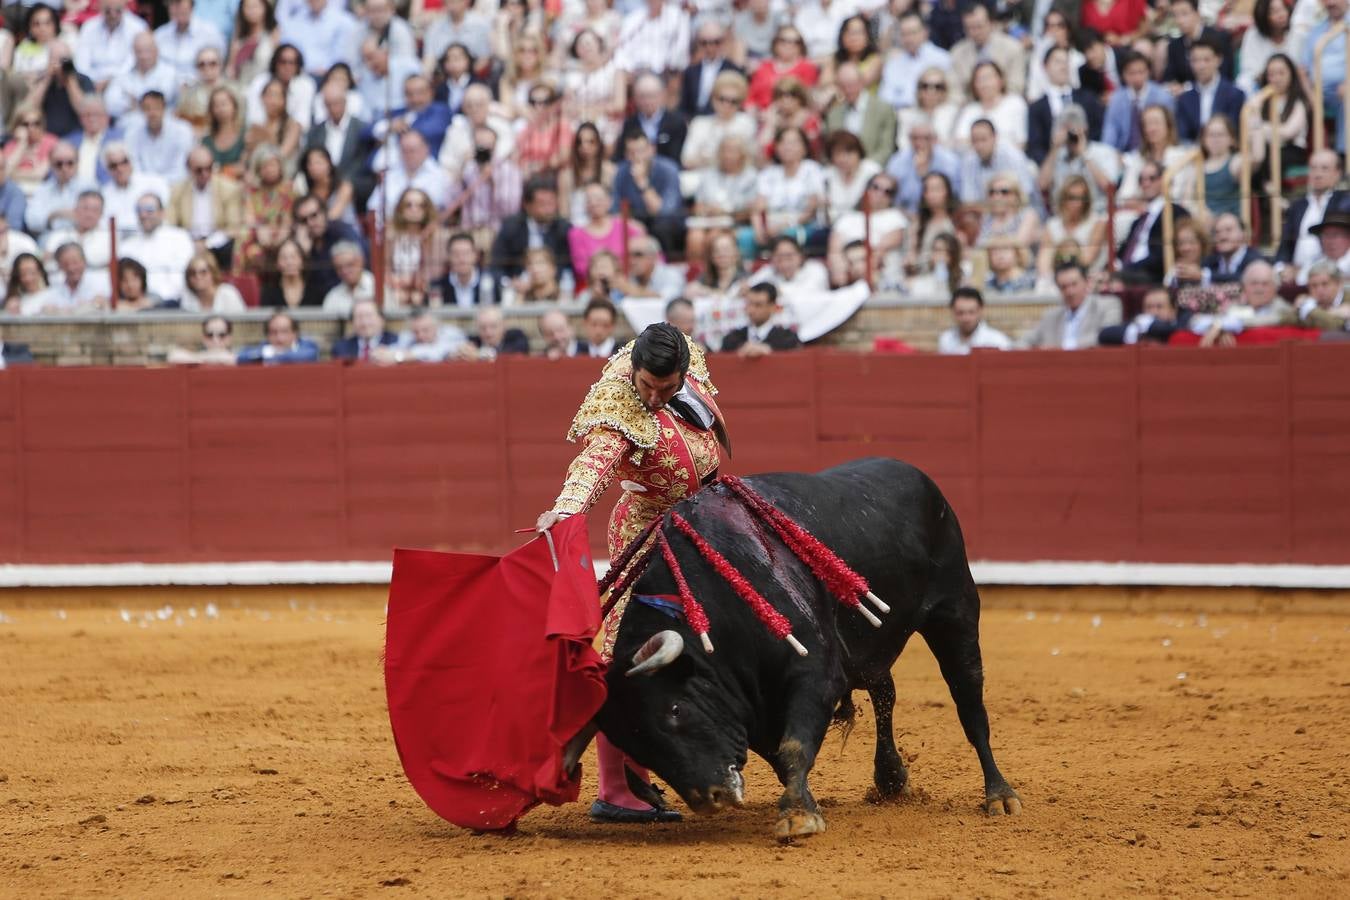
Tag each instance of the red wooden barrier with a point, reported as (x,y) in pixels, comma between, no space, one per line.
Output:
(1139,454)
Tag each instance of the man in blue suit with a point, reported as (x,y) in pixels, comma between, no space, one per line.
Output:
(1137,93)
(367,336)
(420,113)
(96,130)
(1210,95)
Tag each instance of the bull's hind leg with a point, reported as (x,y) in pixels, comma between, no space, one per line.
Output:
(954,637)
(889,775)
(798,814)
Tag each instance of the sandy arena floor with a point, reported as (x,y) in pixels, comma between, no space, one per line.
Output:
(247,754)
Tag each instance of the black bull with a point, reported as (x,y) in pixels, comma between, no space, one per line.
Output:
(691,716)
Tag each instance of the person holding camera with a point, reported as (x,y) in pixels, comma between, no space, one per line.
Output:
(487,192)
(1072,152)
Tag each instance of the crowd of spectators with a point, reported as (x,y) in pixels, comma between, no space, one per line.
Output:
(484,154)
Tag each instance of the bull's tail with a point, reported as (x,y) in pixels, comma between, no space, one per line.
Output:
(845,717)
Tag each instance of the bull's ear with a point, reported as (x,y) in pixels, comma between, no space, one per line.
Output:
(660,650)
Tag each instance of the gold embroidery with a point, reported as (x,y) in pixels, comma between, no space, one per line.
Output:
(612,401)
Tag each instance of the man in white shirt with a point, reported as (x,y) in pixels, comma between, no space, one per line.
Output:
(654,39)
(322,30)
(354,282)
(1333,233)
(103,49)
(88,233)
(414,168)
(1299,247)
(182,37)
(560,342)
(908,61)
(77,290)
(597,324)
(459,145)
(159,144)
(969,331)
(792,273)
(458,26)
(1324,307)
(147,74)
(127,186)
(427,340)
(96,131)
(164,250)
(53,203)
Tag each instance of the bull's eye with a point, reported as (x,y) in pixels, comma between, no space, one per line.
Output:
(675,711)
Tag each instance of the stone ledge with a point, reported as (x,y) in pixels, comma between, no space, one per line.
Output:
(146,338)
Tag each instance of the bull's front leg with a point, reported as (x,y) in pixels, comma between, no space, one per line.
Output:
(806,723)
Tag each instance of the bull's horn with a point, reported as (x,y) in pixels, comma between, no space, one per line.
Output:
(573,749)
(661,650)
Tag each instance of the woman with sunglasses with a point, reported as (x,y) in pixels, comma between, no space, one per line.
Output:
(933,105)
(791,109)
(287,69)
(217,347)
(876,219)
(544,145)
(728,119)
(206,290)
(788,61)
(1073,221)
(194,100)
(28,152)
(253,40)
(1007,213)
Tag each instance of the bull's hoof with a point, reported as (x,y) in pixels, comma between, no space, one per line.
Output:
(798,823)
(1002,801)
(878,797)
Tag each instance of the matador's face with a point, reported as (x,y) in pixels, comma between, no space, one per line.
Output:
(656,390)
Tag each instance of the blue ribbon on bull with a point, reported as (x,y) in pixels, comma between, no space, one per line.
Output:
(665,603)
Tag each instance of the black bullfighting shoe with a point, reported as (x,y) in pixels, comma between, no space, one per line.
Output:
(622,815)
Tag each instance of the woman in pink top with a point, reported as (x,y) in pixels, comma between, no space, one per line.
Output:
(603,230)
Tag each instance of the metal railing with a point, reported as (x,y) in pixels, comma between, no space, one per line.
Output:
(1273,151)
(1319,103)
(1195,158)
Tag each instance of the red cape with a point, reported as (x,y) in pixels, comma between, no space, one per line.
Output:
(489,671)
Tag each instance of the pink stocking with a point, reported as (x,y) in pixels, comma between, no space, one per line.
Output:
(613,783)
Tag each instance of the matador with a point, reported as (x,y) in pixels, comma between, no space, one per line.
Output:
(650,423)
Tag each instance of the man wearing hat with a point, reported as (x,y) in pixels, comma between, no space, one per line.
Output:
(1333,233)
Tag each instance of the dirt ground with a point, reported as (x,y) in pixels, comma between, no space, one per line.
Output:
(191,752)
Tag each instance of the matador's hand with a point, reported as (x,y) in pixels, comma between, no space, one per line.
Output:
(547,520)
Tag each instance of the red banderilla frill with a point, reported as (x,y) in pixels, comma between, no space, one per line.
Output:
(837,576)
(693,610)
(776,622)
